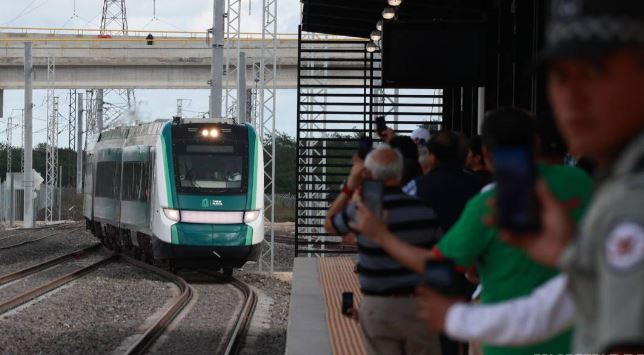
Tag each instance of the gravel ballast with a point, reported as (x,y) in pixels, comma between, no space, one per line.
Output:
(92,315)
(23,256)
(271,338)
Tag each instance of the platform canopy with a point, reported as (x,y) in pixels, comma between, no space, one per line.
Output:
(357,18)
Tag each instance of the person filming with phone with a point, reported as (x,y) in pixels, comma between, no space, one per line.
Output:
(506,273)
(388,310)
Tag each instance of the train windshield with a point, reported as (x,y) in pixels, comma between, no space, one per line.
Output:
(210,171)
(208,166)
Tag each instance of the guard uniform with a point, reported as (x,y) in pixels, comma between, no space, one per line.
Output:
(606,263)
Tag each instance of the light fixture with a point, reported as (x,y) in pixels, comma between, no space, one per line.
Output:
(214,133)
(388,13)
(204,133)
(173,215)
(379,25)
(372,47)
(251,216)
(394,2)
(376,35)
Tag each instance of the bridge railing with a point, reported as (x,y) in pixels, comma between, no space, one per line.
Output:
(117,35)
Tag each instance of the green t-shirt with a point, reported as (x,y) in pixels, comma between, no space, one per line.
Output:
(505,271)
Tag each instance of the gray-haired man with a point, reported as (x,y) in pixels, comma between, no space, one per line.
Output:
(388,311)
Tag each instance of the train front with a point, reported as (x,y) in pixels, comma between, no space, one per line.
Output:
(210,187)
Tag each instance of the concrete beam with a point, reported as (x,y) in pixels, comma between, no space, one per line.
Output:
(132,77)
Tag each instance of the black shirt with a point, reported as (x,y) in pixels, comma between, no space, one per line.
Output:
(447,188)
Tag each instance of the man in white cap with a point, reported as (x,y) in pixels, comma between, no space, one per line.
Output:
(420,136)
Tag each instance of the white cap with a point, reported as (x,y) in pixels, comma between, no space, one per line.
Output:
(420,133)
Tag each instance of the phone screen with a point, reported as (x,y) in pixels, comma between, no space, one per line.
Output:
(365,144)
(517,204)
(381,125)
(347,302)
(372,194)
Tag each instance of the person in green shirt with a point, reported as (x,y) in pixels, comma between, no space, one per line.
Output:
(505,272)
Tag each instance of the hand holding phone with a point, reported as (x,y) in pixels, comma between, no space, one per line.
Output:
(517,204)
(381,125)
(441,276)
(365,144)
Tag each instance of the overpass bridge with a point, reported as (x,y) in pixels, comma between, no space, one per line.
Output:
(87,59)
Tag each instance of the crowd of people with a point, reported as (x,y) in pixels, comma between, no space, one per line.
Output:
(575,284)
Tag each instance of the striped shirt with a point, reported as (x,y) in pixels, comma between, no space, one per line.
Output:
(411,220)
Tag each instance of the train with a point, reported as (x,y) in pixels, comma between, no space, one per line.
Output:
(179,193)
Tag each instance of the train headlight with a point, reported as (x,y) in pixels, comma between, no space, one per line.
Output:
(250,216)
(205,133)
(171,214)
(214,133)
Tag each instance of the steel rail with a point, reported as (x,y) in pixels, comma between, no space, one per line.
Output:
(4,279)
(5,247)
(168,315)
(21,231)
(236,338)
(52,285)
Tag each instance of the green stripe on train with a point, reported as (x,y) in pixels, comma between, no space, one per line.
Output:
(214,235)
(253,146)
(174,234)
(166,139)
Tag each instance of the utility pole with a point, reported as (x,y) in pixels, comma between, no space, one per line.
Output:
(217,66)
(79,145)
(99,110)
(241,88)
(28,181)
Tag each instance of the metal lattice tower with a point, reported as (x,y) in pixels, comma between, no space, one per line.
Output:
(114,16)
(114,20)
(51,178)
(71,119)
(233,42)
(313,160)
(267,92)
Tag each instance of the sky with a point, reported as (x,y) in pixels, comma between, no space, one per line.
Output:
(188,15)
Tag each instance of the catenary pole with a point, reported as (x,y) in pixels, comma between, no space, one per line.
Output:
(217,66)
(241,88)
(28,181)
(79,144)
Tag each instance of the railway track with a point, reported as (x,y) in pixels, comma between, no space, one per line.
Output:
(52,284)
(48,233)
(234,339)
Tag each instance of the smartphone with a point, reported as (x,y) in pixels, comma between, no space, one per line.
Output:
(381,125)
(365,145)
(347,302)
(372,195)
(442,276)
(517,205)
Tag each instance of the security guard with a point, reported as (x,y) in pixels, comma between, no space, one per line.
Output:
(595,63)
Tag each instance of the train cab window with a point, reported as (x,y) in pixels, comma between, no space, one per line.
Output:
(220,168)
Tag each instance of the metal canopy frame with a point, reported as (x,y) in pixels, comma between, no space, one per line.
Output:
(339,95)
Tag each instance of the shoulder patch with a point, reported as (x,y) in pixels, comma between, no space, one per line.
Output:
(625,246)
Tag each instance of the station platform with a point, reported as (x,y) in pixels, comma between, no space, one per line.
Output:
(316,325)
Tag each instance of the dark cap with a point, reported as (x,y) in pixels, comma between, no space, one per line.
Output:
(593,28)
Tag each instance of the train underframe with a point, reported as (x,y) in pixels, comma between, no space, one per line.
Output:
(172,257)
